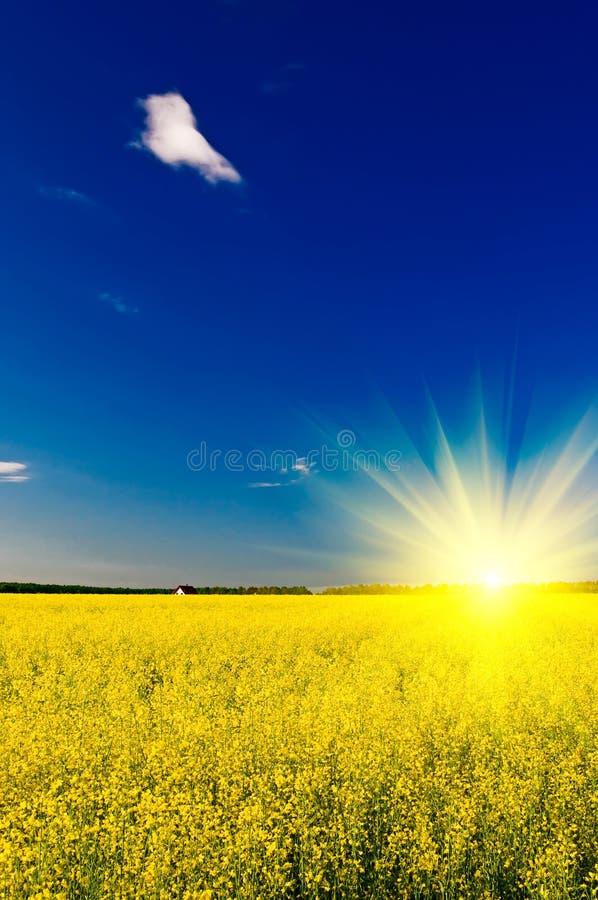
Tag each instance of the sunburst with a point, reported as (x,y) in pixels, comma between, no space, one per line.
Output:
(469,516)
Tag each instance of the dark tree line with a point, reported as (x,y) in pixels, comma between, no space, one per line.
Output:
(268,589)
(13,587)
(385,589)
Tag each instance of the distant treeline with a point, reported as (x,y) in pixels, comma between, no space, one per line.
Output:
(385,589)
(557,587)
(569,587)
(268,589)
(12,587)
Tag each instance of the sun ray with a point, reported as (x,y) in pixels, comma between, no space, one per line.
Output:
(466,517)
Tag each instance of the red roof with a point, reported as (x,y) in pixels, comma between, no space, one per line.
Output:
(185,588)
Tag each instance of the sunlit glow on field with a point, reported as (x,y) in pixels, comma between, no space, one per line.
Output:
(281,747)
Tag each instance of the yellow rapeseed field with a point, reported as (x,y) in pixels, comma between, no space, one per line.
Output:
(289,747)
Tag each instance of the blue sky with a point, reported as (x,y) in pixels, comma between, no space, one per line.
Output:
(409,199)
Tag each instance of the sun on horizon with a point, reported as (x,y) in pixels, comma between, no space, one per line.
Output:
(464,514)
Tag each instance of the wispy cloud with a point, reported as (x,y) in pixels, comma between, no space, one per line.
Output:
(305,467)
(171,134)
(302,468)
(13,472)
(68,194)
(118,304)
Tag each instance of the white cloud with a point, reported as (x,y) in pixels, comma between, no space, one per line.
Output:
(12,472)
(302,466)
(305,467)
(118,304)
(9,468)
(171,135)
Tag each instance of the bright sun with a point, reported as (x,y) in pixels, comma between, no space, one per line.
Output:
(478,513)
(493,581)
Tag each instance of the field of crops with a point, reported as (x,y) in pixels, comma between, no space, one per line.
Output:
(290,747)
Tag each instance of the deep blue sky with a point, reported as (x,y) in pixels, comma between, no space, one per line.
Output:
(419,200)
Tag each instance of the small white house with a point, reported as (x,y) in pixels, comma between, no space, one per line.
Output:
(184,589)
